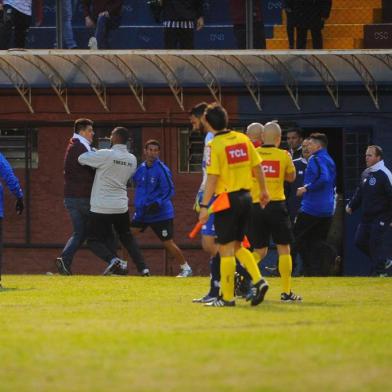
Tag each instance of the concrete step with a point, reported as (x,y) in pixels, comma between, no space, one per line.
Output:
(329,43)
(330,31)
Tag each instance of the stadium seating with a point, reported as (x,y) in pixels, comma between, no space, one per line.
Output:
(343,30)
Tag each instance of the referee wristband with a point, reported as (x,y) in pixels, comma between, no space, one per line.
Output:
(203,205)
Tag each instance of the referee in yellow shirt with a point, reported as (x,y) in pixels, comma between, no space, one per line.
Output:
(231,160)
(273,221)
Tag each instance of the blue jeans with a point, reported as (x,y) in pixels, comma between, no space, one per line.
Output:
(104,26)
(68,37)
(78,209)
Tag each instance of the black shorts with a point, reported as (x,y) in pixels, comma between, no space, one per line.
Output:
(272,221)
(163,229)
(231,224)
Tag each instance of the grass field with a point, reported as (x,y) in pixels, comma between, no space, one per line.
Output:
(115,334)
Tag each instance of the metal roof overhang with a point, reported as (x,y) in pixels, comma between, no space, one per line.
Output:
(252,70)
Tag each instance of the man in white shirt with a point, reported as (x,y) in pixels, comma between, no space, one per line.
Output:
(15,16)
(109,203)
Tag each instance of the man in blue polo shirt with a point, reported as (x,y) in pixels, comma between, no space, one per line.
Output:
(153,207)
(374,196)
(318,203)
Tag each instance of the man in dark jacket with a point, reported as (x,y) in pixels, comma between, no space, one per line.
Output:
(374,196)
(8,177)
(318,203)
(104,16)
(180,19)
(311,15)
(153,207)
(288,6)
(78,181)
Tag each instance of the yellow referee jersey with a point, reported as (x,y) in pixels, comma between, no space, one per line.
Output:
(231,156)
(276,164)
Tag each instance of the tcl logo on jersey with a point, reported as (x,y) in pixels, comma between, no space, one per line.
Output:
(237,153)
(271,168)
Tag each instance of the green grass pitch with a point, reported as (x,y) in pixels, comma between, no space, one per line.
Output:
(86,333)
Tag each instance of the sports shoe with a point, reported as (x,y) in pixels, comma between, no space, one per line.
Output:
(185,273)
(116,267)
(92,43)
(284,297)
(257,292)
(219,303)
(204,300)
(241,286)
(145,272)
(62,268)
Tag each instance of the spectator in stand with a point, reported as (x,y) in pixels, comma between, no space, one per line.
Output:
(180,19)
(15,17)
(238,14)
(68,36)
(103,16)
(288,6)
(7,175)
(311,15)
(374,197)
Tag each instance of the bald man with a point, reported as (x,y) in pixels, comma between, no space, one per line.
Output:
(255,133)
(273,221)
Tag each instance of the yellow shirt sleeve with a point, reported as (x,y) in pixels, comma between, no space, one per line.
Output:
(254,155)
(290,168)
(213,166)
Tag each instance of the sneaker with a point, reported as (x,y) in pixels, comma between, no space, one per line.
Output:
(116,267)
(219,303)
(185,273)
(145,272)
(92,43)
(257,292)
(284,297)
(204,300)
(62,268)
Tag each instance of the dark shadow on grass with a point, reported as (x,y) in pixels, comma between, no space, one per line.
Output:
(277,306)
(6,289)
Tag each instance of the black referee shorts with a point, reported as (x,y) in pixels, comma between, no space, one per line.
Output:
(231,224)
(272,221)
(162,229)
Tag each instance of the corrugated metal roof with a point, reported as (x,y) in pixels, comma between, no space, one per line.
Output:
(178,70)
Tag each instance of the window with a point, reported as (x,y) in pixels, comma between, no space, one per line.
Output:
(19,146)
(191,145)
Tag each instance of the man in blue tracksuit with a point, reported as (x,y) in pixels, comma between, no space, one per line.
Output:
(153,207)
(8,177)
(374,196)
(318,203)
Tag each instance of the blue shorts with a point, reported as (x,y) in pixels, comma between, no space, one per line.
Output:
(209,227)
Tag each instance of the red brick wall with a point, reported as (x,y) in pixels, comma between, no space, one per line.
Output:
(50,223)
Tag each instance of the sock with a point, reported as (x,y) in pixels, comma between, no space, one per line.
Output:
(215,275)
(256,256)
(242,271)
(246,259)
(285,268)
(185,266)
(227,269)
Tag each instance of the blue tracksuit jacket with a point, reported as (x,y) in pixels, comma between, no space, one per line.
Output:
(7,175)
(292,200)
(320,178)
(374,194)
(153,185)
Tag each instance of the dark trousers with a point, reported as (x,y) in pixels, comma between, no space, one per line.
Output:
(290,28)
(259,42)
(374,240)
(309,231)
(105,25)
(13,22)
(317,37)
(100,229)
(178,38)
